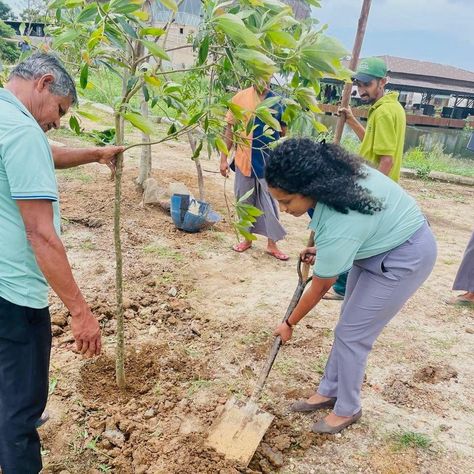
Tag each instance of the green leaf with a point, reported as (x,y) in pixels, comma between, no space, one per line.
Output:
(320,127)
(87,14)
(203,50)
(195,118)
(246,196)
(246,234)
(115,36)
(127,28)
(67,37)
(140,122)
(151,31)
(84,76)
(125,6)
(282,38)
(146,94)
(197,152)
(171,87)
(221,146)
(88,115)
(172,130)
(266,117)
(256,60)
(324,55)
(237,111)
(74,124)
(249,127)
(235,28)
(73,3)
(170,4)
(155,50)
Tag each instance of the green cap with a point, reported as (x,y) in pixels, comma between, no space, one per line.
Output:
(370,68)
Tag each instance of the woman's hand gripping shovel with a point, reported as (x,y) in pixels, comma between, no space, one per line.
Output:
(241,426)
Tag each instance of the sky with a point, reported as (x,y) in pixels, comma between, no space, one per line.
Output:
(440,31)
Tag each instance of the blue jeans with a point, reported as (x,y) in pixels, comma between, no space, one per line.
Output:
(25,346)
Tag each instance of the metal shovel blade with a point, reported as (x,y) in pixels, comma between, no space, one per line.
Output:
(238,431)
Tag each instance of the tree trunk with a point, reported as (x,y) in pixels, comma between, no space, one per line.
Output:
(197,162)
(120,349)
(145,159)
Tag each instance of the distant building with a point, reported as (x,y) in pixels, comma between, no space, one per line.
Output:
(426,87)
(187,21)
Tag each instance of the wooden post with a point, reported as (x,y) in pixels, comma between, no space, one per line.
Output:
(346,94)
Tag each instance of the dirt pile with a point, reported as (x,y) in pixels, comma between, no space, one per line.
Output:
(435,374)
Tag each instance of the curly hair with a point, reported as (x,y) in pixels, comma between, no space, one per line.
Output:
(322,171)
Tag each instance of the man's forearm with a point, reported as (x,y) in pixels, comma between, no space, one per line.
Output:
(386,164)
(52,260)
(65,157)
(357,127)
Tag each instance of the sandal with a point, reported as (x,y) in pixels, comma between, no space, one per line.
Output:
(302,406)
(242,246)
(460,301)
(278,255)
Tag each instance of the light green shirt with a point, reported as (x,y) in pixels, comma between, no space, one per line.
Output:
(26,172)
(342,238)
(385,133)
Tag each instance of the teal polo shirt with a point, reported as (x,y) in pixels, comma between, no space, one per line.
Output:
(26,173)
(342,238)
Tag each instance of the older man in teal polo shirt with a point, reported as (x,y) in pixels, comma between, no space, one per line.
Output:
(32,258)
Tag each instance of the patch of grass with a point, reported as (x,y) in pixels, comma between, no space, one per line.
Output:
(319,365)
(197,385)
(88,245)
(76,174)
(410,439)
(163,252)
(435,159)
(255,337)
(286,366)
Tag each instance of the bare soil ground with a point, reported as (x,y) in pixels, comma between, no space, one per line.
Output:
(199,319)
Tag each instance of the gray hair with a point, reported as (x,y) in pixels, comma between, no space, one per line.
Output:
(39,64)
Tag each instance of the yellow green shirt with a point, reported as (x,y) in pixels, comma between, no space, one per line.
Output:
(385,133)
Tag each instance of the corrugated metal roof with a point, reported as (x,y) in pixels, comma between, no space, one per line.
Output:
(425,68)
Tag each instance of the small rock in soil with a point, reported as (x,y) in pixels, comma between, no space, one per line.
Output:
(59,319)
(150,413)
(116,437)
(172,320)
(153,331)
(173,292)
(470,330)
(274,456)
(56,330)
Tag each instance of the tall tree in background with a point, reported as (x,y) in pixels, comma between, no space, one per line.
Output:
(6,12)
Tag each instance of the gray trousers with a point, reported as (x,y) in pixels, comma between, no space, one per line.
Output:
(377,288)
(268,223)
(465,277)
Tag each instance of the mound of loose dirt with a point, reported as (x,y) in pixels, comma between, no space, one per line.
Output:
(435,374)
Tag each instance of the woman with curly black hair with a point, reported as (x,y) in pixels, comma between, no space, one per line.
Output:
(364,220)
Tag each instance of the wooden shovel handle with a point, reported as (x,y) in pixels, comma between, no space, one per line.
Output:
(306,266)
(277,342)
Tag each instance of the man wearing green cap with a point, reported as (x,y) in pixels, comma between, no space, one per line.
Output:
(384,136)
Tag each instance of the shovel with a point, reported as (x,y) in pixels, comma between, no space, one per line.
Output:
(241,426)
